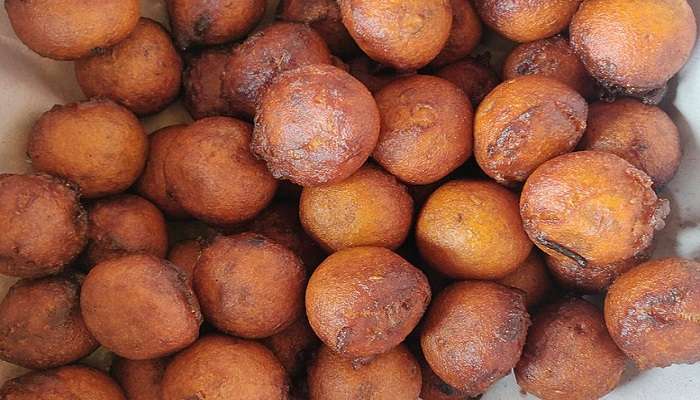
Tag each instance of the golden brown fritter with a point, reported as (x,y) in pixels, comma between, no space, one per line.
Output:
(532,278)
(464,36)
(72,382)
(141,379)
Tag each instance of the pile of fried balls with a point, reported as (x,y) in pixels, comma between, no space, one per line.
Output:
(336,238)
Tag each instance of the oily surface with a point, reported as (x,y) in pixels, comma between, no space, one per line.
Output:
(475,78)
(202,80)
(531,277)
(71,382)
(140,380)
(464,35)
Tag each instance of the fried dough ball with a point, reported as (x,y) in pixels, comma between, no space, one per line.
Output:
(370,208)
(474,333)
(569,354)
(464,36)
(142,72)
(72,382)
(554,58)
(185,255)
(426,129)
(122,225)
(151,184)
(97,144)
(254,65)
(140,379)
(364,301)
(633,45)
(472,230)
(527,20)
(435,388)
(219,367)
(653,313)
(211,173)
(202,80)
(40,323)
(44,227)
(405,34)
(293,346)
(250,286)
(71,29)
(206,22)
(592,207)
(474,77)
(140,307)
(532,278)
(389,376)
(524,122)
(316,125)
(324,17)
(643,135)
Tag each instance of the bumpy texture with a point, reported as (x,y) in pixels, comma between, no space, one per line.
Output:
(44,225)
(464,36)
(140,379)
(531,277)
(72,382)
(474,77)
(316,125)
(202,80)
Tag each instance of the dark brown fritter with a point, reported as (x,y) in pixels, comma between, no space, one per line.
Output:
(140,380)
(435,388)
(474,77)
(185,255)
(294,346)
(72,382)
(202,80)
(464,36)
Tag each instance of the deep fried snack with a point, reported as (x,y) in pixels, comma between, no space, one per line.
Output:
(554,58)
(255,64)
(635,46)
(389,376)
(206,22)
(464,36)
(532,278)
(44,227)
(524,122)
(474,334)
(72,382)
(435,388)
(250,286)
(370,208)
(405,34)
(426,130)
(643,135)
(71,29)
(97,144)
(140,307)
(372,74)
(569,354)
(472,230)
(316,125)
(223,367)
(185,255)
(142,72)
(211,173)
(202,80)
(41,325)
(293,346)
(653,313)
(592,207)
(141,379)
(364,301)
(474,77)
(527,20)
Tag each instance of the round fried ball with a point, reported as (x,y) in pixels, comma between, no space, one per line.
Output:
(532,278)
(140,379)
(315,125)
(185,255)
(426,129)
(254,65)
(464,36)
(370,208)
(554,58)
(202,80)
(293,346)
(634,45)
(72,382)
(527,20)
(143,72)
(210,171)
(140,307)
(405,34)
(474,334)
(45,226)
(643,135)
(122,225)
(524,122)
(569,354)
(592,207)
(151,184)
(41,325)
(435,388)
(205,22)
(653,313)
(250,286)
(97,144)
(71,29)
(221,367)
(389,376)
(475,78)
(472,230)
(364,301)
